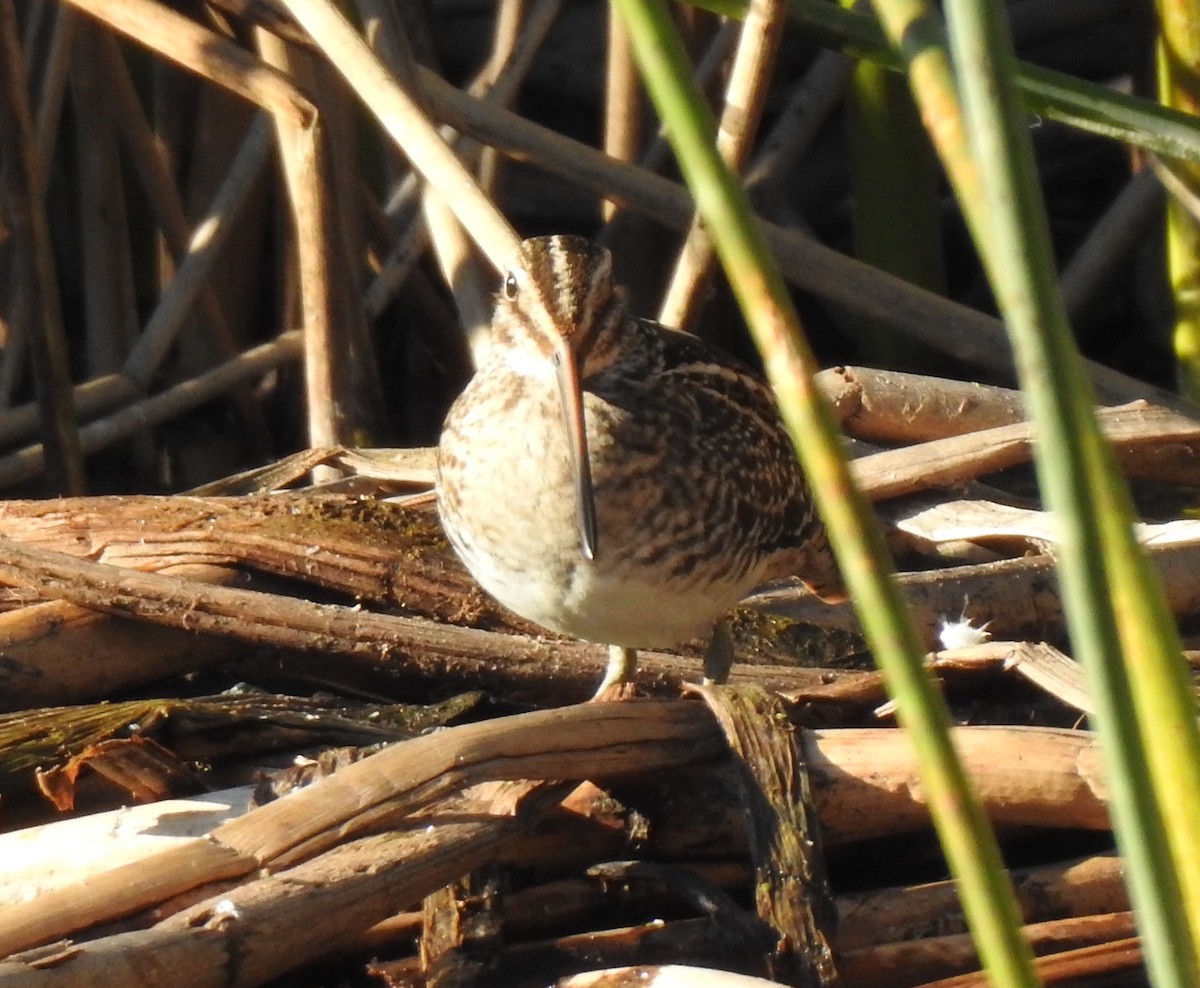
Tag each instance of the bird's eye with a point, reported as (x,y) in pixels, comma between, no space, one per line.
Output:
(510,286)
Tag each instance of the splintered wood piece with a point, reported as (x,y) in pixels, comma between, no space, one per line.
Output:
(987,521)
(461,933)
(140,766)
(1040,663)
(365,547)
(791,889)
(113,739)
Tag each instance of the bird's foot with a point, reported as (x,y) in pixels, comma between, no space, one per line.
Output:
(718,659)
(618,677)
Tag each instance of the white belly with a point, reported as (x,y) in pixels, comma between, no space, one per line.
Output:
(618,608)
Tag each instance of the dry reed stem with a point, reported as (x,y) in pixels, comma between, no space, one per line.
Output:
(207,241)
(156,181)
(209,237)
(741,112)
(623,103)
(110,302)
(957,459)
(203,52)
(306,170)
(517,38)
(1105,254)
(133,419)
(506,35)
(226,63)
(54,81)
(400,115)
(43,330)
(808,106)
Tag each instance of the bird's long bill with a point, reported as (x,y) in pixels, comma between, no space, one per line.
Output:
(571,395)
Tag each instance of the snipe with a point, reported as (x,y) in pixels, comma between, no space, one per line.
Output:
(615,480)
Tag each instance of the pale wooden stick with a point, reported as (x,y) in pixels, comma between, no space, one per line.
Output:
(622,101)
(885,406)
(955,460)
(745,98)
(203,52)
(412,131)
(29,462)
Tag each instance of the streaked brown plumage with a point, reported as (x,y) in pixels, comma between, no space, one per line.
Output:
(612,479)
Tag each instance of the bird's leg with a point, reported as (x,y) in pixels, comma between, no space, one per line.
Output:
(718,658)
(622,664)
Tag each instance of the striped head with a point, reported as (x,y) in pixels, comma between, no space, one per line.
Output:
(558,293)
(560,315)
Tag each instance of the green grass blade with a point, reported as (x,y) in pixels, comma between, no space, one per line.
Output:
(1087,106)
(1117,614)
(970,846)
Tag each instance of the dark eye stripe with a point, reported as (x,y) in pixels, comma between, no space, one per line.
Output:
(565,289)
